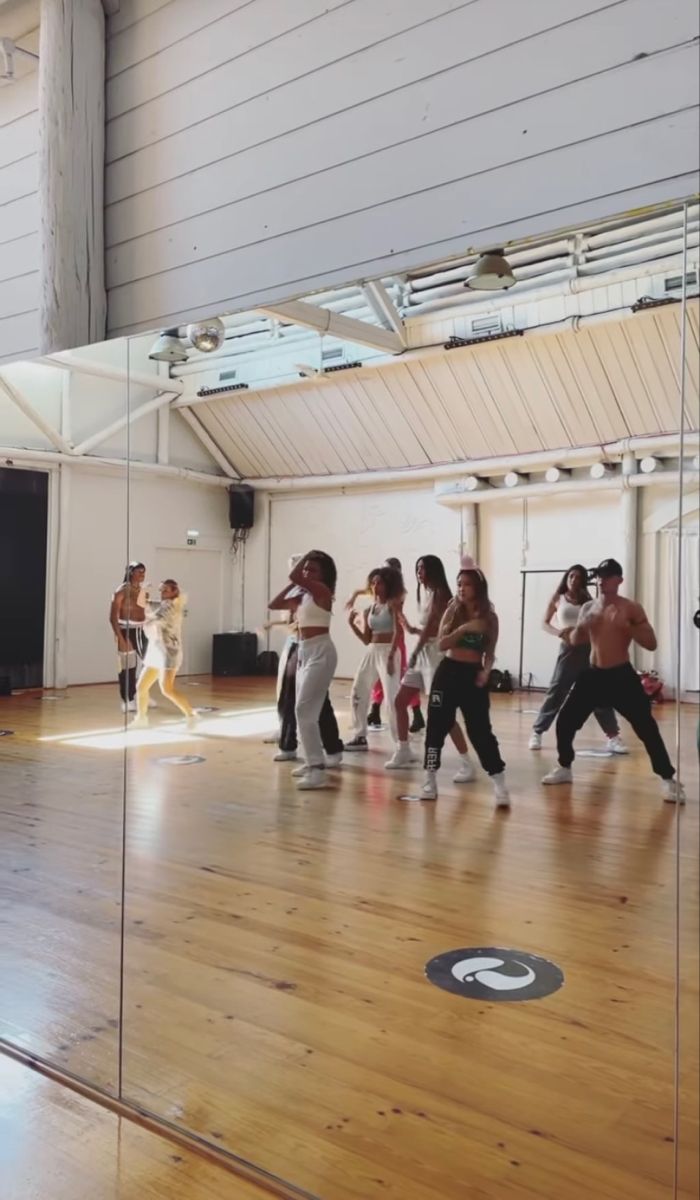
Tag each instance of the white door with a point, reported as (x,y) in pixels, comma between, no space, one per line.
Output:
(200,576)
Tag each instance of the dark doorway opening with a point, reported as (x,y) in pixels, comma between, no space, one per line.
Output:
(23,528)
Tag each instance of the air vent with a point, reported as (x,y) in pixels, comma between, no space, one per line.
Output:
(349,366)
(228,387)
(489,324)
(333,355)
(227,375)
(674,283)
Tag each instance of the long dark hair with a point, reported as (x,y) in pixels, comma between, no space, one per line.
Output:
(392,580)
(329,573)
(435,577)
(564,586)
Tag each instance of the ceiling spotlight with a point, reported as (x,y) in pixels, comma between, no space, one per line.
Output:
(208,335)
(472,483)
(492,273)
(648,465)
(512,479)
(168,348)
(556,474)
(599,470)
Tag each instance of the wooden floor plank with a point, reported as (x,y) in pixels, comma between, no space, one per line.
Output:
(275,999)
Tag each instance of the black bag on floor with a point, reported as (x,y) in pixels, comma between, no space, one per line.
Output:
(268,662)
(500,681)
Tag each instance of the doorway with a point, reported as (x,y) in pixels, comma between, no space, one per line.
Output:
(23,527)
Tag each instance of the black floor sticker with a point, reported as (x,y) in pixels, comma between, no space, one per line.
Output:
(6,732)
(494,974)
(180,760)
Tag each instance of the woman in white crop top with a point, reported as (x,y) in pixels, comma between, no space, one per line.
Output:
(315,577)
(380,635)
(560,619)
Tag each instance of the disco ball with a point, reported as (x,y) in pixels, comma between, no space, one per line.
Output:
(207,335)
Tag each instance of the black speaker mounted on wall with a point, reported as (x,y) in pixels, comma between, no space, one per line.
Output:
(241,506)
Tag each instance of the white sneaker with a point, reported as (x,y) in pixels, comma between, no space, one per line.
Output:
(429,788)
(132,706)
(334,760)
(535,742)
(402,757)
(125,706)
(616,746)
(674,792)
(151,703)
(314,778)
(300,771)
(500,790)
(285,756)
(558,775)
(466,772)
(192,721)
(139,722)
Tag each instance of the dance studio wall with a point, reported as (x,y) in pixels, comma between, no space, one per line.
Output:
(162,510)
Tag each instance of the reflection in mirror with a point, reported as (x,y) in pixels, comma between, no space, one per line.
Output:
(63,535)
(683,540)
(279,924)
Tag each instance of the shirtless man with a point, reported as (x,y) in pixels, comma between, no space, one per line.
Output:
(126,617)
(610,623)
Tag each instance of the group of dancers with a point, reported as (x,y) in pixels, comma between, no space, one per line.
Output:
(148,631)
(450,664)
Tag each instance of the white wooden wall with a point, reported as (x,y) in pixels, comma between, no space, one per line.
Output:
(19,238)
(263,148)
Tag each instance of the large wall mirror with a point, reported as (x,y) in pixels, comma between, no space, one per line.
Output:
(359,988)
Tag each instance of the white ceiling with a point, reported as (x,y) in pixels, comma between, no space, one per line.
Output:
(523,394)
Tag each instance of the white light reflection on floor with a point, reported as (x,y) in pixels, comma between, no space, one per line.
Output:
(219,725)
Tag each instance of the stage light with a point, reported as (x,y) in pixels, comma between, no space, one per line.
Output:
(492,273)
(599,470)
(556,474)
(168,348)
(512,479)
(208,335)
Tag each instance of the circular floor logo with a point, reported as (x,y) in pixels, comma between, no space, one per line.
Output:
(494,974)
(180,760)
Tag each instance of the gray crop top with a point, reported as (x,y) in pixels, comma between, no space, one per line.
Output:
(381,619)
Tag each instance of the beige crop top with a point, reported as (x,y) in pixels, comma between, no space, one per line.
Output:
(309,614)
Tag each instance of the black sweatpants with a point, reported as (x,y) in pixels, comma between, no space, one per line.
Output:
(619,688)
(138,641)
(453,688)
(327,723)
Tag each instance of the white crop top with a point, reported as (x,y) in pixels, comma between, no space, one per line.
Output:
(310,614)
(381,619)
(567,614)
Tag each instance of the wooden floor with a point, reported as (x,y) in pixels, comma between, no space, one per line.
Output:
(275,1000)
(56,1145)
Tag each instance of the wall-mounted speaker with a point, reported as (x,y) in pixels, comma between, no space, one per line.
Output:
(241,506)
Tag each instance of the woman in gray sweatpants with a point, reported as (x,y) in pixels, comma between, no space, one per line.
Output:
(559,619)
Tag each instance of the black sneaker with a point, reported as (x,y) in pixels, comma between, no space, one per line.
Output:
(418,721)
(357,743)
(375,715)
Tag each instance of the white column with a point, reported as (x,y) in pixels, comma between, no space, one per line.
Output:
(469,531)
(630,520)
(71,172)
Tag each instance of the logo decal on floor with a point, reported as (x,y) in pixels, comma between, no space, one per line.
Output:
(180,760)
(6,732)
(204,708)
(494,974)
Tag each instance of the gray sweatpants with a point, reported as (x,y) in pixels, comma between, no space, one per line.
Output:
(571,661)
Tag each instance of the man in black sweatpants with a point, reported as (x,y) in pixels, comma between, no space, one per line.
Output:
(610,623)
